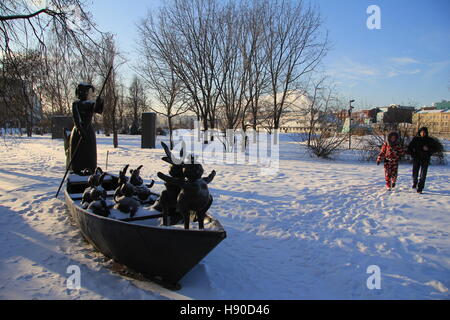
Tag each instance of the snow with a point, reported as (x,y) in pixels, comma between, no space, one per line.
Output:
(310,231)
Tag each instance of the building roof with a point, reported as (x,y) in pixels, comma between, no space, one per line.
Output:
(396,106)
(430,111)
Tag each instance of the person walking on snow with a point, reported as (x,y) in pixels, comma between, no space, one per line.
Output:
(391,151)
(421,148)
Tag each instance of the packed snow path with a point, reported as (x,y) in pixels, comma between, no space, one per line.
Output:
(308,232)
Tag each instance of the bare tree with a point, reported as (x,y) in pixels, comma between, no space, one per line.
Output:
(255,61)
(233,77)
(314,107)
(137,102)
(232,57)
(108,57)
(295,46)
(185,37)
(167,88)
(58,33)
(25,25)
(20,76)
(322,125)
(57,87)
(123,107)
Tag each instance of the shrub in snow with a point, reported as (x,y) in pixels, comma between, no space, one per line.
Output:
(325,144)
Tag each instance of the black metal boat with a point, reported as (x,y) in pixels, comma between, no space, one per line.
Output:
(163,254)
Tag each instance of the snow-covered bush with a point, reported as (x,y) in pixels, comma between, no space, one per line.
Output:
(325,143)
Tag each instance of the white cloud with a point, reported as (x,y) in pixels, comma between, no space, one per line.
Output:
(436,67)
(354,71)
(350,69)
(394,72)
(397,66)
(403,60)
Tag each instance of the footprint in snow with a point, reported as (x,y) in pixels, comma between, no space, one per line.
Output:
(25,277)
(430,250)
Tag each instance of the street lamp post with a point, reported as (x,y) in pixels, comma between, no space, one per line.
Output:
(350,124)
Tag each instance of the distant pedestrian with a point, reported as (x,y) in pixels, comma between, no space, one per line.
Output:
(421,149)
(391,151)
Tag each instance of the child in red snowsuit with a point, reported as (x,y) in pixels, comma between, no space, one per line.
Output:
(391,151)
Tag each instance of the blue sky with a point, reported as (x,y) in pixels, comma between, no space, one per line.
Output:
(406,61)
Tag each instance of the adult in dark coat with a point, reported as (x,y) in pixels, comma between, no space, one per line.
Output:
(85,157)
(421,149)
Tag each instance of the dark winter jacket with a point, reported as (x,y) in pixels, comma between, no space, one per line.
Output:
(418,145)
(391,151)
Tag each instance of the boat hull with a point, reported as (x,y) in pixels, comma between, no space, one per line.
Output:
(160,253)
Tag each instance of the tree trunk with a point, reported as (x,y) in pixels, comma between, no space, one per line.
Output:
(212,125)
(169,122)
(205,130)
(114,128)
(309,137)
(30,123)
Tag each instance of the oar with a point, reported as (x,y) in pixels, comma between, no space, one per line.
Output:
(107,155)
(70,164)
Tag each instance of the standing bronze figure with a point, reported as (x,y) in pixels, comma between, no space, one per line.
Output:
(83,145)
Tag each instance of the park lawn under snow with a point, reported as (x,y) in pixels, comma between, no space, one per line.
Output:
(308,232)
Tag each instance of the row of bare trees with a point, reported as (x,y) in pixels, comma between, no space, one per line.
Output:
(234,62)
(41,50)
(45,52)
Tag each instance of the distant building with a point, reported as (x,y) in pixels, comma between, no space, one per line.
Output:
(395,114)
(437,121)
(365,116)
(428,108)
(342,115)
(300,122)
(298,117)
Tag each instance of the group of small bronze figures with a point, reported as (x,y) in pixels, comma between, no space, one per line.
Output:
(186,192)
(128,197)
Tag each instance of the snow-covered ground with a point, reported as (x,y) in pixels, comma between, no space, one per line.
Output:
(308,232)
